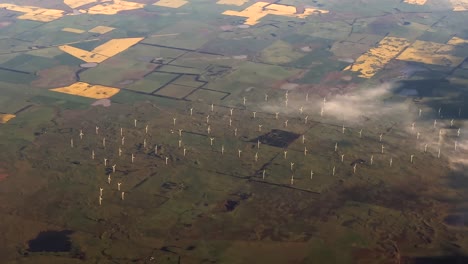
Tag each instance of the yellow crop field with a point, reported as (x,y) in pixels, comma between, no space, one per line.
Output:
(457,41)
(73,30)
(6,117)
(459,5)
(35,13)
(258,10)
(376,58)
(88,90)
(101,29)
(171,3)
(78,3)
(112,8)
(102,52)
(115,46)
(415,2)
(232,2)
(83,55)
(430,53)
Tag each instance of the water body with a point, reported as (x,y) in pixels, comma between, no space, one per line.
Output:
(51,241)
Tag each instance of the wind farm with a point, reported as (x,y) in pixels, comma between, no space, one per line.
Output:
(233,131)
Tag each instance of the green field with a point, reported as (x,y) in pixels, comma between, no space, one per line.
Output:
(297,139)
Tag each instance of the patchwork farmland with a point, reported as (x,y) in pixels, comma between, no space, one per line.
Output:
(233,131)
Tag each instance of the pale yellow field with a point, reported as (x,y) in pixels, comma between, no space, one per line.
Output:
(258,10)
(88,90)
(376,58)
(171,3)
(113,8)
(115,46)
(73,30)
(232,2)
(415,2)
(102,52)
(6,117)
(459,5)
(83,55)
(101,29)
(78,3)
(47,15)
(35,13)
(430,53)
(457,41)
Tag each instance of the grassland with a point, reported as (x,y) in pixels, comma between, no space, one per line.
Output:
(175,91)
(184,34)
(280,53)
(211,193)
(149,202)
(152,82)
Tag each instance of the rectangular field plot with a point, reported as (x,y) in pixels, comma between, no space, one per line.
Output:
(376,58)
(50,37)
(187,34)
(18,27)
(34,13)
(12,102)
(431,53)
(15,77)
(29,63)
(327,30)
(88,90)
(152,82)
(6,56)
(11,45)
(175,91)
(118,72)
(202,61)
(180,70)
(73,30)
(151,53)
(188,80)
(101,29)
(252,73)
(232,45)
(206,96)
